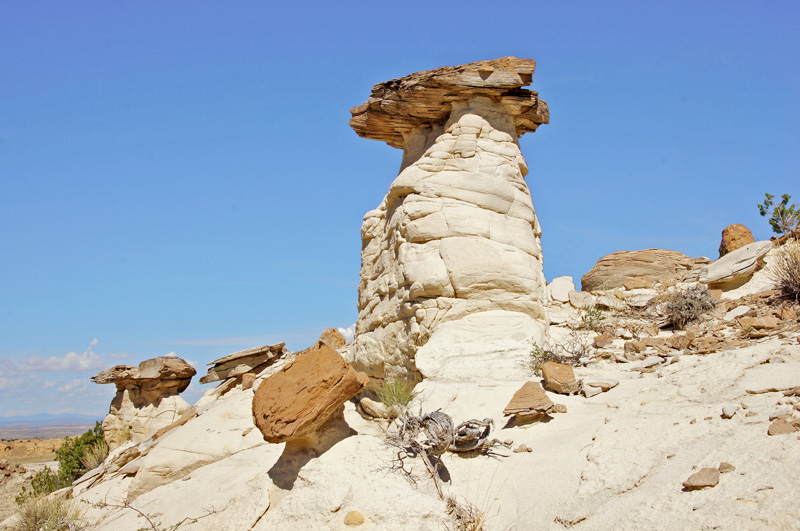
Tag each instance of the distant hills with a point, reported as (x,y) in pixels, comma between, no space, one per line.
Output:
(47,419)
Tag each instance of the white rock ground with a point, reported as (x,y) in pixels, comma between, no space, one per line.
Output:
(616,460)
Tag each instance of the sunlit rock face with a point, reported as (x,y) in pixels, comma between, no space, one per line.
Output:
(457,233)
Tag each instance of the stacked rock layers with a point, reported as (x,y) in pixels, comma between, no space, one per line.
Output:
(457,232)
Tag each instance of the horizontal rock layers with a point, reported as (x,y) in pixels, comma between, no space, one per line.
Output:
(457,232)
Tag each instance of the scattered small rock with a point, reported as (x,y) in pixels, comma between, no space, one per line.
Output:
(729,411)
(784,424)
(560,408)
(724,467)
(590,390)
(353,518)
(705,477)
(522,448)
(602,340)
(603,384)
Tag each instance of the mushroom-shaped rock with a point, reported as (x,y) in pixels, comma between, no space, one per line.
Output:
(457,233)
(242,362)
(305,394)
(147,398)
(530,399)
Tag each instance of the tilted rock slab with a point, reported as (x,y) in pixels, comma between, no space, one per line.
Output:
(457,232)
(147,398)
(736,267)
(242,362)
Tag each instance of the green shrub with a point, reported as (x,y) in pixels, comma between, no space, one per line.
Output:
(539,356)
(396,392)
(71,466)
(785,270)
(591,317)
(48,514)
(784,217)
(685,306)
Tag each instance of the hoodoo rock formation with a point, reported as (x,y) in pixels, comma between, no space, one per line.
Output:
(457,233)
(147,398)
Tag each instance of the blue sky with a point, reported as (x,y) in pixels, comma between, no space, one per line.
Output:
(180,177)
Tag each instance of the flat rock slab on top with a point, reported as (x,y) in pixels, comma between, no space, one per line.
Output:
(304,394)
(401,105)
(242,362)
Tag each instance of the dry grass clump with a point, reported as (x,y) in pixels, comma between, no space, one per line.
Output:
(48,514)
(466,515)
(684,306)
(571,350)
(95,455)
(396,393)
(785,270)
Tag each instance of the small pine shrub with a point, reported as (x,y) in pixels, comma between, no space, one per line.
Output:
(48,514)
(683,307)
(396,393)
(785,270)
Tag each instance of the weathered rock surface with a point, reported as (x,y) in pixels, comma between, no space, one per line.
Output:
(560,288)
(734,237)
(560,378)
(658,265)
(242,362)
(736,267)
(147,398)
(457,233)
(529,400)
(304,394)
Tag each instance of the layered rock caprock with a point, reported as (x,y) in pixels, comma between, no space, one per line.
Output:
(457,233)
(147,398)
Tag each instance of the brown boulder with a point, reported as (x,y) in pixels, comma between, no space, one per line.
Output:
(307,392)
(602,340)
(733,237)
(560,378)
(658,265)
(530,399)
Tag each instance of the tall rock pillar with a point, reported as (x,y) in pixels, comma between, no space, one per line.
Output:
(457,233)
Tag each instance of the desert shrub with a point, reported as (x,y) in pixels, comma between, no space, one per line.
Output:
(94,455)
(70,458)
(684,306)
(467,516)
(48,514)
(570,350)
(396,392)
(785,270)
(591,317)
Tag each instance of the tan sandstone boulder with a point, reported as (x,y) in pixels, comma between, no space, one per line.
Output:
(657,265)
(734,237)
(252,360)
(560,378)
(305,394)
